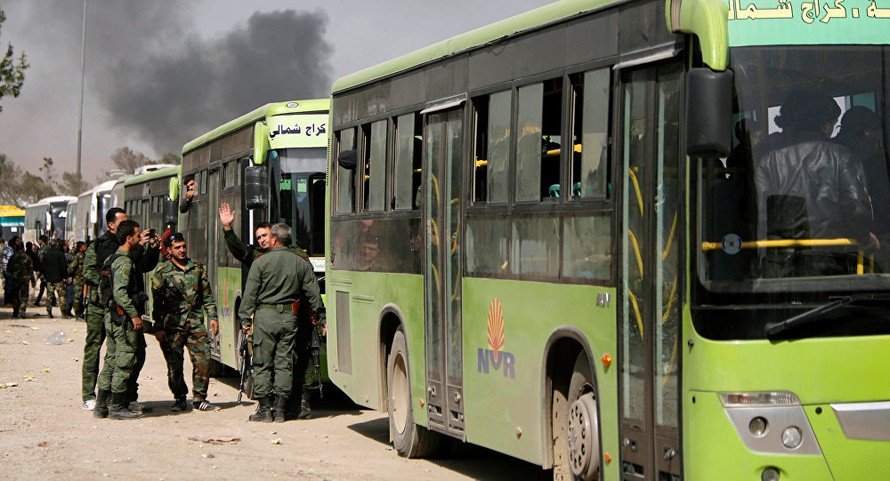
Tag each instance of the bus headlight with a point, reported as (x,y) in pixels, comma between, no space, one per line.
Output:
(770,422)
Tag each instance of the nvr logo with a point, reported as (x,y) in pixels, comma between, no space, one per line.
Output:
(494,357)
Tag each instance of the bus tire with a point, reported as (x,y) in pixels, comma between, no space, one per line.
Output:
(582,423)
(408,439)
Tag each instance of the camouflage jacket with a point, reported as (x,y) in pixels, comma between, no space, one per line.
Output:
(75,268)
(20,267)
(180,297)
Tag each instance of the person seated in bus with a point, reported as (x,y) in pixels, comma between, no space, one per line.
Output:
(809,187)
(191,188)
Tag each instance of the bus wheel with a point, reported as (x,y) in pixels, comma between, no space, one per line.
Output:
(583,435)
(409,439)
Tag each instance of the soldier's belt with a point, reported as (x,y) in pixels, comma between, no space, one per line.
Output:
(294,307)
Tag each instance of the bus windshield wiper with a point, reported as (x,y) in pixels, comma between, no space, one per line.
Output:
(773,329)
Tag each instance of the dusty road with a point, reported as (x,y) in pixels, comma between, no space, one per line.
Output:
(44,433)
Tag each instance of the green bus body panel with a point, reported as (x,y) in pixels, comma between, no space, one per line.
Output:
(369,293)
(153,175)
(260,114)
(496,405)
(848,458)
(768,22)
(503,400)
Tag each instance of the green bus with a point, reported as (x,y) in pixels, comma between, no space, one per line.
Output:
(269,166)
(547,239)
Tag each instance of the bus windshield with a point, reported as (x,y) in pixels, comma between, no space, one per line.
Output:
(797,213)
(301,190)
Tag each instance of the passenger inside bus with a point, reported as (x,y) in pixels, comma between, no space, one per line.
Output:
(810,188)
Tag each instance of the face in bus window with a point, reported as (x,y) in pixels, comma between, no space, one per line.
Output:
(263,237)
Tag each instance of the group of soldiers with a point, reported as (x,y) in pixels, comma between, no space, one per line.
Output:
(281,306)
(58,270)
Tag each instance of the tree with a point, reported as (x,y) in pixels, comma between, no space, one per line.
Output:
(171,158)
(128,160)
(12,74)
(72,184)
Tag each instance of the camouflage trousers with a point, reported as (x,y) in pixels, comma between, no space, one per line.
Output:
(121,347)
(77,305)
(18,295)
(95,318)
(195,339)
(59,289)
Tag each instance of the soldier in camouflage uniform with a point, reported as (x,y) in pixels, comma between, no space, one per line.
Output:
(181,295)
(54,270)
(20,272)
(123,323)
(75,269)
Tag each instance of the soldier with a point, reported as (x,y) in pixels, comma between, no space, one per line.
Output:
(277,281)
(54,269)
(181,295)
(145,259)
(298,404)
(75,270)
(123,323)
(20,271)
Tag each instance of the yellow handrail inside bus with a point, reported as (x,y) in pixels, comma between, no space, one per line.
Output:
(780,243)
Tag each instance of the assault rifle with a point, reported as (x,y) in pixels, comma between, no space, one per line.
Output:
(314,348)
(246,351)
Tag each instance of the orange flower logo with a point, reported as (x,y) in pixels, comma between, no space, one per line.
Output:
(495,328)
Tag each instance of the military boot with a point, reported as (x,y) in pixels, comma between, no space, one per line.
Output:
(66,313)
(278,410)
(305,408)
(49,312)
(263,413)
(118,409)
(101,409)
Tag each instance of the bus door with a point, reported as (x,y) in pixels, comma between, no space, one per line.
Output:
(649,322)
(443,139)
(212,244)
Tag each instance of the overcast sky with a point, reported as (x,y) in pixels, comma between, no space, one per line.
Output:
(161,72)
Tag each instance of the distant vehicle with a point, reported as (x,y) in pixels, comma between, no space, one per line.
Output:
(147,193)
(46,217)
(91,208)
(12,221)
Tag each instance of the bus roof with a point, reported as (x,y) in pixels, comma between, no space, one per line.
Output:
(52,200)
(155,174)
(11,211)
(261,113)
(474,39)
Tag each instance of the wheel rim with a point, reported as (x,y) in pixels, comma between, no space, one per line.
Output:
(400,395)
(583,437)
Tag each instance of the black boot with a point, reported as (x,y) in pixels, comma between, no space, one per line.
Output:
(101,409)
(263,413)
(278,410)
(119,409)
(67,314)
(305,408)
(49,312)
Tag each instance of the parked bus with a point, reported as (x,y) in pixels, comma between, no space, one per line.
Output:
(12,221)
(274,159)
(91,207)
(537,245)
(147,198)
(46,217)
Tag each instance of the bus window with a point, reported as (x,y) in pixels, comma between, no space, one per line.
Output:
(345,177)
(492,147)
(590,135)
(374,184)
(406,169)
(538,141)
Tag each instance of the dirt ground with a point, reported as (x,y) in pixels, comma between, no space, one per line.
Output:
(44,433)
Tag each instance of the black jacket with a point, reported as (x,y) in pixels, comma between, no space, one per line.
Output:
(53,266)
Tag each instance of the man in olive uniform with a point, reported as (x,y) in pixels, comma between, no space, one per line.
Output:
(75,270)
(54,270)
(277,281)
(181,295)
(123,323)
(145,260)
(20,272)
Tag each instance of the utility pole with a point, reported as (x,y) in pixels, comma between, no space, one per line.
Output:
(83,52)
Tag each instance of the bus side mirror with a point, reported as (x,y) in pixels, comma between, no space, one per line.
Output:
(171,212)
(260,143)
(256,187)
(708,112)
